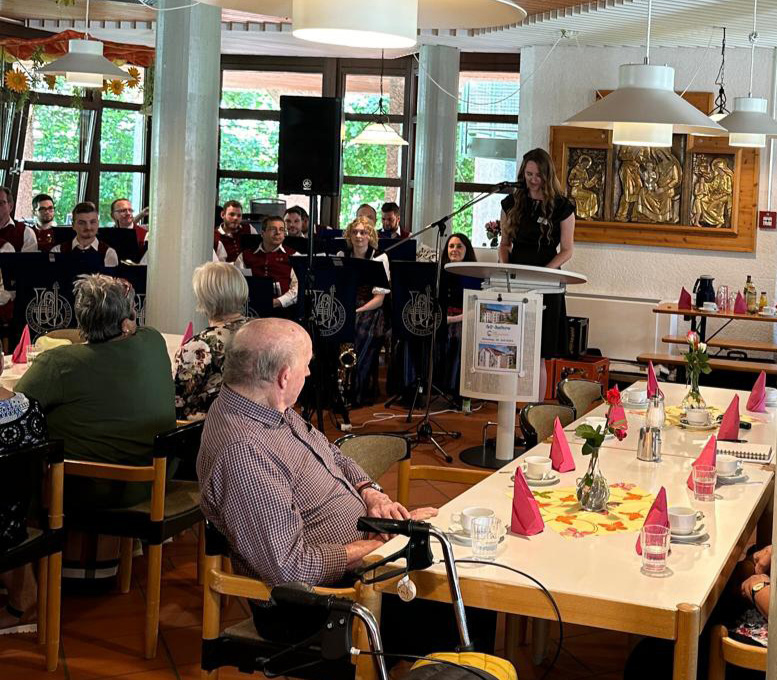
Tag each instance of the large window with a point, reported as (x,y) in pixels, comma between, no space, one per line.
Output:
(486,144)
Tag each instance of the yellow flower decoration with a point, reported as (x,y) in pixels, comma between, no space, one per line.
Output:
(116,86)
(51,81)
(16,81)
(134,75)
(106,86)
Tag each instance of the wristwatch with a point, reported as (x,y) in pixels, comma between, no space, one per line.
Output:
(371,485)
(756,588)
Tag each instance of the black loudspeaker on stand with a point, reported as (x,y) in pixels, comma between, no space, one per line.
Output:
(309,152)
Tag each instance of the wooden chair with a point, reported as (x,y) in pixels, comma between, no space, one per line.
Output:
(240,646)
(174,506)
(376,453)
(581,395)
(724,650)
(36,472)
(537,421)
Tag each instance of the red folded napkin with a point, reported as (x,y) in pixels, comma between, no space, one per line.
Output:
(188,334)
(685,300)
(757,399)
(526,519)
(560,454)
(729,426)
(708,456)
(616,417)
(652,382)
(656,515)
(20,353)
(740,307)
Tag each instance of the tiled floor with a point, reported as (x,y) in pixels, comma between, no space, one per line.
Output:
(102,634)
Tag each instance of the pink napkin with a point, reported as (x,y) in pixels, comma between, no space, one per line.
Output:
(707,456)
(739,305)
(729,427)
(188,334)
(560,455)
(656,515)
(20,353)
(685,299)
(526,519)
(757,399)
(652,382)
(616,417)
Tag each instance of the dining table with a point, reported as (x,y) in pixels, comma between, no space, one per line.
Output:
(591,568)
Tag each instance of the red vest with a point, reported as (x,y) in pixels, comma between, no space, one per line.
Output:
(45,238)
(13,232)
(140,235)
(274,265)
(231,243)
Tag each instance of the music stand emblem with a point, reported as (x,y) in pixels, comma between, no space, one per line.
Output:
(417,314)
(329,312)
(48,311)
(140,309)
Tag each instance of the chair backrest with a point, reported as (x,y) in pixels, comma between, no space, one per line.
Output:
(581,395)
(72,334)
(724,649)
(182,443)
(537,421)
(375,453)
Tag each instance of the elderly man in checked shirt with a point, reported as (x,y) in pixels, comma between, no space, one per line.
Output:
(285,498)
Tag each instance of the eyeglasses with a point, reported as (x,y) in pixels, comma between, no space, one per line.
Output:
(124,210)
(49,208)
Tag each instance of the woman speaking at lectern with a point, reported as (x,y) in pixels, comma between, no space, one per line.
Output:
(538,227)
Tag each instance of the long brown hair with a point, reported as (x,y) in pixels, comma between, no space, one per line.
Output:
(551,189)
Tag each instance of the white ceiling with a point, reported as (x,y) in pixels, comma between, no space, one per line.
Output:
(689,23)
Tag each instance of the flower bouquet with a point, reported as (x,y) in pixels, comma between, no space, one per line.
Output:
(493,231)
(697,361)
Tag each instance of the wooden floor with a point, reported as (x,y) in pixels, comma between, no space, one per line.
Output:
(102,634)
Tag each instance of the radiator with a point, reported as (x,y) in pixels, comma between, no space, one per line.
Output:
(621,327)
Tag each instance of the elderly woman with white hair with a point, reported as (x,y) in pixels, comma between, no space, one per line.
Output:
(221,292)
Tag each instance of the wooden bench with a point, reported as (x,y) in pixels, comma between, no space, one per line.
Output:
(715,364)
(724,343)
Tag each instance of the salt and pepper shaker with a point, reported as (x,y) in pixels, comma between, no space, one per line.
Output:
(656,413)
(649,446)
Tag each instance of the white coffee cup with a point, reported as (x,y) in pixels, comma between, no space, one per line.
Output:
(709,307)
(771,395)
(636,396)
(537,467)
(769,311)
(596,421)
(727,465)
(683,520)
(697,416)
(465,517)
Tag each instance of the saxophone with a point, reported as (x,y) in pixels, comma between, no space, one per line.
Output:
(347,362)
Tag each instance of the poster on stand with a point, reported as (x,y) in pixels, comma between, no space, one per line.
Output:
(498,342)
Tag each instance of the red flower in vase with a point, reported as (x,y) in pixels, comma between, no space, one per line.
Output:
(613,396)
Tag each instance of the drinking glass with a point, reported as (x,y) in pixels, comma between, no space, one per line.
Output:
(486,533)
(654,539)
(722,299)
(704,479)
(32,352)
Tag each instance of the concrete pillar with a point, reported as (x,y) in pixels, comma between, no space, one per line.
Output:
(435,152)
(184,159)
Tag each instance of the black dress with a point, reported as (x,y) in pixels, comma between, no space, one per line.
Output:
(532,247)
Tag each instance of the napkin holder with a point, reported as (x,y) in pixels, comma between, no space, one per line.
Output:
(649,446)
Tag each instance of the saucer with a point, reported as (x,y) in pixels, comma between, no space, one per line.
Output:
(765,314)
(635,405)
(697,534)
(552,478)
(702,428)
(738,478)
(457,535)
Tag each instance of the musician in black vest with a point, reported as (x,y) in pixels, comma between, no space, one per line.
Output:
(87,252)
(17,234)
(271,260)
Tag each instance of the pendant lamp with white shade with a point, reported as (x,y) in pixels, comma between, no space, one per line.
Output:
(645,110)
(379,133)
(84,64)
(749,123)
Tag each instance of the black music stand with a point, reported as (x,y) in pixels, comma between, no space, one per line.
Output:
(261,290)
(123,241)
(136,275)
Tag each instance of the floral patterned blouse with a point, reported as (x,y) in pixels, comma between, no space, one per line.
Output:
(198,366)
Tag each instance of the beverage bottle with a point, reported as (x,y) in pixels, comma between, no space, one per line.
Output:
(763,302)
(751,298)
(747,285)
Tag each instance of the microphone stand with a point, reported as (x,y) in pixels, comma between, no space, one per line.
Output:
(424,430)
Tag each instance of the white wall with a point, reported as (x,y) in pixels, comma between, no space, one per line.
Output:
(565,84)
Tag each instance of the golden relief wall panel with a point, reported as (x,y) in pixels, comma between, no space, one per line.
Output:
(700,193)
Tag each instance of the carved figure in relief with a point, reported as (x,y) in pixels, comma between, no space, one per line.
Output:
(661,176)
(713,194)
(631,181)
(580,185)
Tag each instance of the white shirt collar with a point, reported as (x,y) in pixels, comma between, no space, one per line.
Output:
(261,249)
(93,245)
(10,221)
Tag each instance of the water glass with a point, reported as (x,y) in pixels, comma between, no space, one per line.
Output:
(486,534)
(654,539)
(31,353)
(722,299)
(704,479)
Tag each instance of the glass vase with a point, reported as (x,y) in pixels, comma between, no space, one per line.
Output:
(593,491)
(693,399)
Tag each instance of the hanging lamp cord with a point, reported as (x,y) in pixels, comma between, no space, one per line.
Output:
(753,38)
(720,100)
(647,37)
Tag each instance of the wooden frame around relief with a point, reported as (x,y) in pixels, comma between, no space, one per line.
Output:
(740,236)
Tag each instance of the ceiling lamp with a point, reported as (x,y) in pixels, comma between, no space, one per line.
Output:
(380,133)
(720,111)
(749,123)
(380,24)
(84,65)
(645,110)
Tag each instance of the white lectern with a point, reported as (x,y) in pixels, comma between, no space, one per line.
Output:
(500,341)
